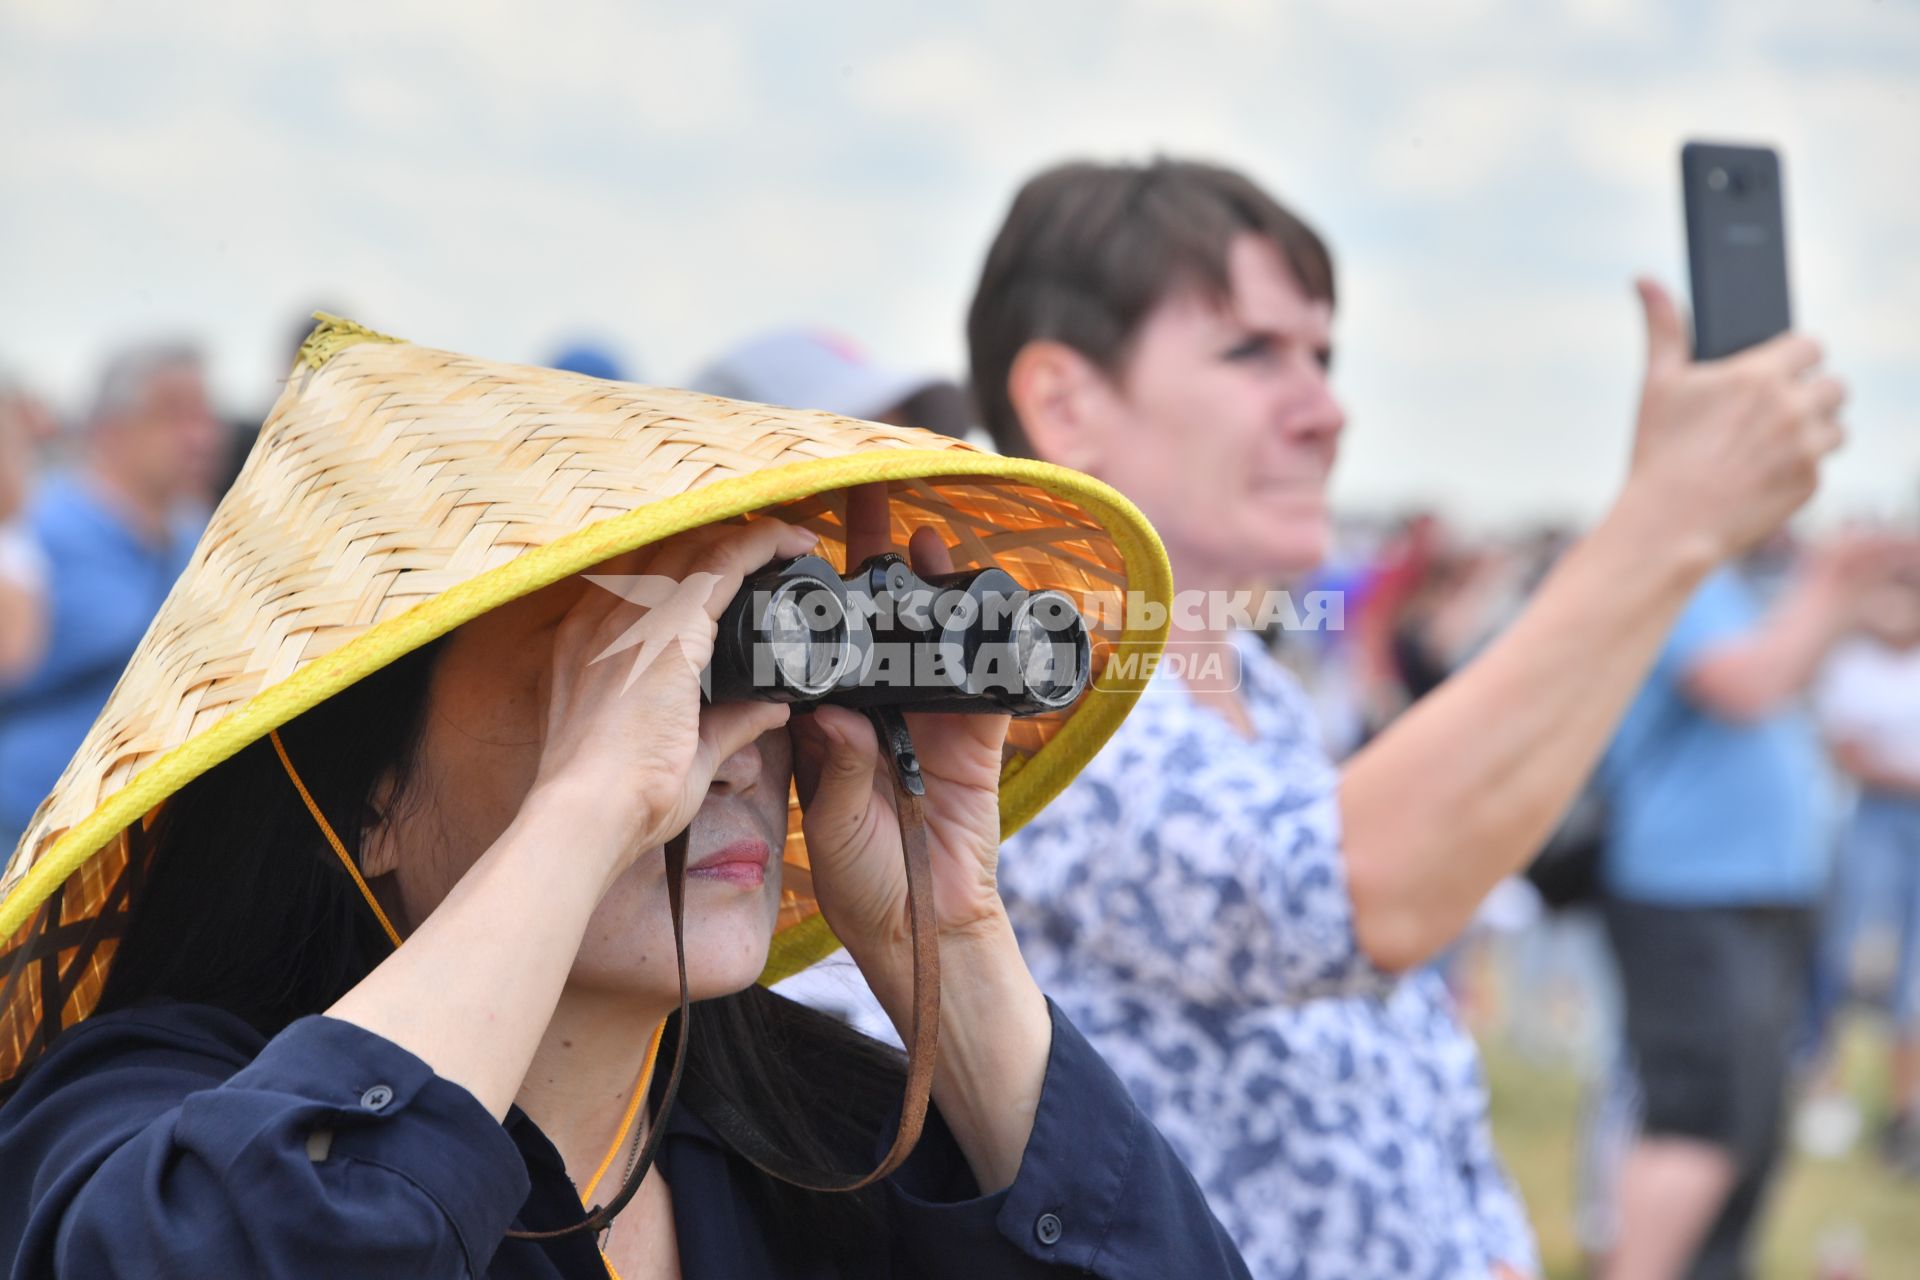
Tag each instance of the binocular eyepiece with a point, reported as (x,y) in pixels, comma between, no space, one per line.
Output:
(883,636)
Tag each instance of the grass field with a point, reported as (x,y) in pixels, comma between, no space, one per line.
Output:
(1815,1201)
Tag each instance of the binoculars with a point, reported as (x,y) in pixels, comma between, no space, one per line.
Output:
(882,636)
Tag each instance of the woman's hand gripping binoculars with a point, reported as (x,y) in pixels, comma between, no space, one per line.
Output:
(932,641)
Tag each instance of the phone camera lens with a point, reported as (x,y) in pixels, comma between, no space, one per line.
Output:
(1738,182)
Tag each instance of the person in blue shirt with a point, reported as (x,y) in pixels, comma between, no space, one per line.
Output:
(112,536)
(24,424)
(1719,829)
(268,1089)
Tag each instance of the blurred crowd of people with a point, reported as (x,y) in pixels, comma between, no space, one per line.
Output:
(1765,780)
(1257,945)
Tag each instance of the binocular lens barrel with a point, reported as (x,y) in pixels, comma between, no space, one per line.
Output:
(1051,648)
(785,636)
(882,636)
(806,637)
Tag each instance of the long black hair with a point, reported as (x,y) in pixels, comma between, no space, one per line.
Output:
(246,907)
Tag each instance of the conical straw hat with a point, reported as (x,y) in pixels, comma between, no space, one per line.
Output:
(396,492)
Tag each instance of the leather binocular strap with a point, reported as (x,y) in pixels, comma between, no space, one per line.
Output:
(739,1132)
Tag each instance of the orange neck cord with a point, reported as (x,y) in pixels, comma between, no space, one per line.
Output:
(326,829)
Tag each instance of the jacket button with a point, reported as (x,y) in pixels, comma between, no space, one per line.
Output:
(376,1098)
(1047,1228)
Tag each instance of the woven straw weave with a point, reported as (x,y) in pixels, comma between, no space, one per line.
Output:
(397,491)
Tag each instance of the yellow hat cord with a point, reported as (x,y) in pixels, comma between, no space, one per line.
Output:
(393,935)
(326,829)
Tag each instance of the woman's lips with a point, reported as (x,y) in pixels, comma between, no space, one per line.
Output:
(744,862)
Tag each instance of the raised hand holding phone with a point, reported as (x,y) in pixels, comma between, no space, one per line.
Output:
(1725,450)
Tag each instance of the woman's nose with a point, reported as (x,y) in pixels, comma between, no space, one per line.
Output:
(1315,413)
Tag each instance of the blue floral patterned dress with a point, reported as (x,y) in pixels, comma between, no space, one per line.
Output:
(1185,902)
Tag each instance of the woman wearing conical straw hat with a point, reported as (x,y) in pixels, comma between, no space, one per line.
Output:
(350,940)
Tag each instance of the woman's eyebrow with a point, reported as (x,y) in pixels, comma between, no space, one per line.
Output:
(1241,337)
(1241,333)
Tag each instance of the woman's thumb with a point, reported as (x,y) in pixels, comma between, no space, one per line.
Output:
(834,756)
(726,727)
(1667,346)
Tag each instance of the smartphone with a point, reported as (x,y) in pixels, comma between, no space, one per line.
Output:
(1736,246)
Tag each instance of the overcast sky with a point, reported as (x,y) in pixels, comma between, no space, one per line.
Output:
(495,178)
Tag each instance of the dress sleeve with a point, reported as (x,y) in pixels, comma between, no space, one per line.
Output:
(144,1151)
(1499,1215)
(1215,874)
(1099,1193)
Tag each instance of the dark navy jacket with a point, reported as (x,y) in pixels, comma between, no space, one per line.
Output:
(174,1140)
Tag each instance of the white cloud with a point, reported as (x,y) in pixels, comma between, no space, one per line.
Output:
(1491,173)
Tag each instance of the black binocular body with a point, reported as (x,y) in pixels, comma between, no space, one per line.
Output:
(882,636)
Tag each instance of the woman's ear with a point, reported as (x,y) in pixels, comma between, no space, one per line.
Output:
(379,851)
(1061,400)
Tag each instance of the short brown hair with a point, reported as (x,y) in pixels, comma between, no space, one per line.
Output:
(1088,250)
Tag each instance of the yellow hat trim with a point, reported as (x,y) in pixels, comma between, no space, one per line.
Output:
(1023,793)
